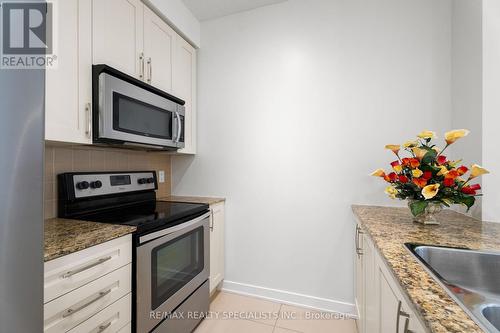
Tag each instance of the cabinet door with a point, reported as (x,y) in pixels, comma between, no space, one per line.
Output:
(184,87)
(371,323)
(118,35)
(216,245)
(69,86)
(389,305)
(159,41)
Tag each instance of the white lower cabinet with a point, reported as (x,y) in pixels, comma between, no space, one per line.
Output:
(216,245)
(90,290)
(381,305)
(114,318)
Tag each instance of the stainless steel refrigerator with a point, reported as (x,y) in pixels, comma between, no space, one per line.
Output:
(22,93)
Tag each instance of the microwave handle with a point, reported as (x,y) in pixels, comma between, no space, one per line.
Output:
(179,127)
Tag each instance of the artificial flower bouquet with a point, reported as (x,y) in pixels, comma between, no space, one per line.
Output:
(428,179)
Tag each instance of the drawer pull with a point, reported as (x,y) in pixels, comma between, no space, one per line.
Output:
(102,328)
(84,268)
(71,311)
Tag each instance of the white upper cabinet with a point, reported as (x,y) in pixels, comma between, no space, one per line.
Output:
(128,36)
(159,41)
(184,87)
(68,86)
(118,35)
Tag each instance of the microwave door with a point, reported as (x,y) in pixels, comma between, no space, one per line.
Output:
(132,115)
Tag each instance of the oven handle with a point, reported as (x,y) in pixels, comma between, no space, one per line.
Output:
(173,229)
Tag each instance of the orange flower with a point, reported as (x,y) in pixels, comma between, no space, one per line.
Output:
(392,177)
(420,182)
(452,174)
(454,135)
(396,166)
(430,191)
(411,162)
(414,163)
(394,148)
(448,182)
(476,171)
(462,170)
(427,175)
(419,152)
(403,179)
(441,159)
(378,173)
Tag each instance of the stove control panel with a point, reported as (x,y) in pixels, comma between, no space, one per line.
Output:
(96,184)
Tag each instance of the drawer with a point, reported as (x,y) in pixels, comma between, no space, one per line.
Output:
(110,320)
(126,329)
(71,309)
(67,273)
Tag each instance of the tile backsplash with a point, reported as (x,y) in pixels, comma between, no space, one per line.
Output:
(59,159)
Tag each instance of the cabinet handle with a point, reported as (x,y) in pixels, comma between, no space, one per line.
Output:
(150,70)
(407,323)
(141,65)
(400,314)
(84,268)
(359,250)
(356,240)
(102,328)
(88,119)
(72,311)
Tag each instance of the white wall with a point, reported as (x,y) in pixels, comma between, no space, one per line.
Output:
(491,108)
(180,18)
(466,82)
(296,102)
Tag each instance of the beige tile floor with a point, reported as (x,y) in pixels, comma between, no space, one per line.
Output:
(232,313)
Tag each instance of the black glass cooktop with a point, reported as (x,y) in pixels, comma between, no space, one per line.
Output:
(149,216)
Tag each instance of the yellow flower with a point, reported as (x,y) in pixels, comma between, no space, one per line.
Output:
(427,134)
(395,148)
(454,135)
(391,192)
(476,171)
(417,173)
(443,170)
(419,152)
(378,173)
(430,191)
(398,168)
(410,144)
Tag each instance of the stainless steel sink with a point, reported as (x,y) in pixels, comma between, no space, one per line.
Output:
(492,314)
(471,277)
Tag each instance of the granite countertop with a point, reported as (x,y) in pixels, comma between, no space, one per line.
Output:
(202,200)
(389,228)
(62,236)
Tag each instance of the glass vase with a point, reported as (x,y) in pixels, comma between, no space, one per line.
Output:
(428,216)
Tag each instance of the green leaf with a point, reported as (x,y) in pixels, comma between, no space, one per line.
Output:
(418,207)
(429,157)
(445,202)
(468,201)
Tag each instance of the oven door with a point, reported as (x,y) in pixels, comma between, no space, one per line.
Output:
(171,265)
(133,115)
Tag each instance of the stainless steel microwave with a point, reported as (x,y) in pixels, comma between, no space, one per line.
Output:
(130,112)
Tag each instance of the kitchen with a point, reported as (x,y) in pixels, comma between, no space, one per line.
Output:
(204,166)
